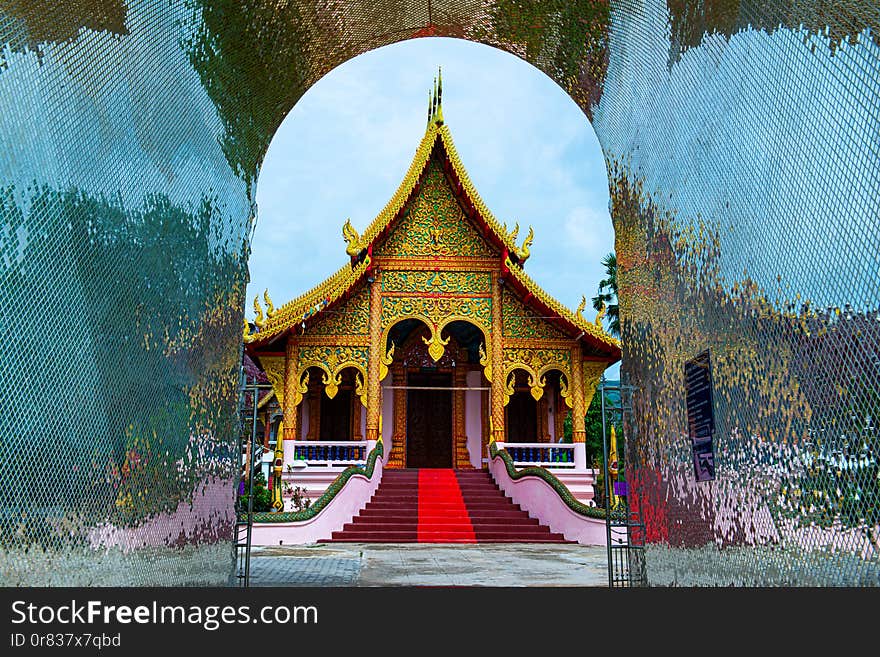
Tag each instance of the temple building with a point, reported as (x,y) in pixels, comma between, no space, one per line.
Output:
(431,335)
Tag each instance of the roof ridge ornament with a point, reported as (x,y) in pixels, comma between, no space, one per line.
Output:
(600,315)
(259,322)
(270,308)
(352,239)
(435,100)
(580,309)
(523,252)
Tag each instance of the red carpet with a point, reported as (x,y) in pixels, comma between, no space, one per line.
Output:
(443,517)
(442,506)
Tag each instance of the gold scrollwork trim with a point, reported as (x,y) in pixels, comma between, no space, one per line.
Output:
(486,362)
(565,391)
(273,366)
(301,389)
(385,361)
(360,389)
(509,388)
(331,360)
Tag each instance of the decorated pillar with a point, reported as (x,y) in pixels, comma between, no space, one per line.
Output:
(497,357)
(397,459)
(292,393)
(462,457)
(374,378)
(578,410)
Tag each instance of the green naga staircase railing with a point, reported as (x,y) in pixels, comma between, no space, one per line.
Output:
(333,489)
(560,488)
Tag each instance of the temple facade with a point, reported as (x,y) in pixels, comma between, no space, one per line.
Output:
(431,336)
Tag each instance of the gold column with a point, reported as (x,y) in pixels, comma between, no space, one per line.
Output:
(289,408)
(462,457)
(374,384)
(578,429)
(397,459)
(497,354)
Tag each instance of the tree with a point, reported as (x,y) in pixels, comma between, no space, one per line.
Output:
(607,294)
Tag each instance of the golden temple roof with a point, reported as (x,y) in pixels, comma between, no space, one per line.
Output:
(331,289)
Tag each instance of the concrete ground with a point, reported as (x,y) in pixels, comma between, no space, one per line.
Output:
(375,564)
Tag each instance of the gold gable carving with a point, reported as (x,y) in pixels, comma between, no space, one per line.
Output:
(520,321)
(273,366)
(350,317)
(434,224)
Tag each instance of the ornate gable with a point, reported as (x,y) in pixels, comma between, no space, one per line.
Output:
(434,225)
(349,317)
(520,321)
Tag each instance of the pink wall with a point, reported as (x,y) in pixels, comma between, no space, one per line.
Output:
(346,505)
(472,418)
(542,502)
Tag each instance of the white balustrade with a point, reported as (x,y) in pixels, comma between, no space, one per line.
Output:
(328,453)
(548,455)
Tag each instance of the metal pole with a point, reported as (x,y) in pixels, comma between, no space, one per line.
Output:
(605,479)
(247,563)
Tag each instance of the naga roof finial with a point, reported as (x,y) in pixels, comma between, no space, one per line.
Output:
(352,239)
(580,309)
(524,251)
(514,233)
(259,322)
(270,307)
(600,315)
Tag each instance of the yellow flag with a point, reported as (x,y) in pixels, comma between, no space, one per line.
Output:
(613,466)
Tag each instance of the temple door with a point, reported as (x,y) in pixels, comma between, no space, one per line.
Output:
(522,418)
(336,417)
(429,422)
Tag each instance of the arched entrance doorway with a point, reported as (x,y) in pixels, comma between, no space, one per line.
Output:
(438,405)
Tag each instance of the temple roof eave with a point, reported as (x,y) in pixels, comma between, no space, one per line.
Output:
(335,287)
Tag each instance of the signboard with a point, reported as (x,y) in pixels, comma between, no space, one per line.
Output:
(621,489)
(701,415)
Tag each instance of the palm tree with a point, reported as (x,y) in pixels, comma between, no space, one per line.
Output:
(607,294)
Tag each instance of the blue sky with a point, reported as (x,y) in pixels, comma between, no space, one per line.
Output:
(344,148)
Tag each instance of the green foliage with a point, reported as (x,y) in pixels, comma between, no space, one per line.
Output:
(262,495)
(593,426)
(607,294)
(298,497)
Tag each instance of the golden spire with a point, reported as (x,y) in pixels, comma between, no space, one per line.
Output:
(435,100)
(439,117)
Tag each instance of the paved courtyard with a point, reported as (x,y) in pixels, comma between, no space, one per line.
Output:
(371,564)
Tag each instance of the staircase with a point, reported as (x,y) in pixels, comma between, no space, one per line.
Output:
(442,506)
